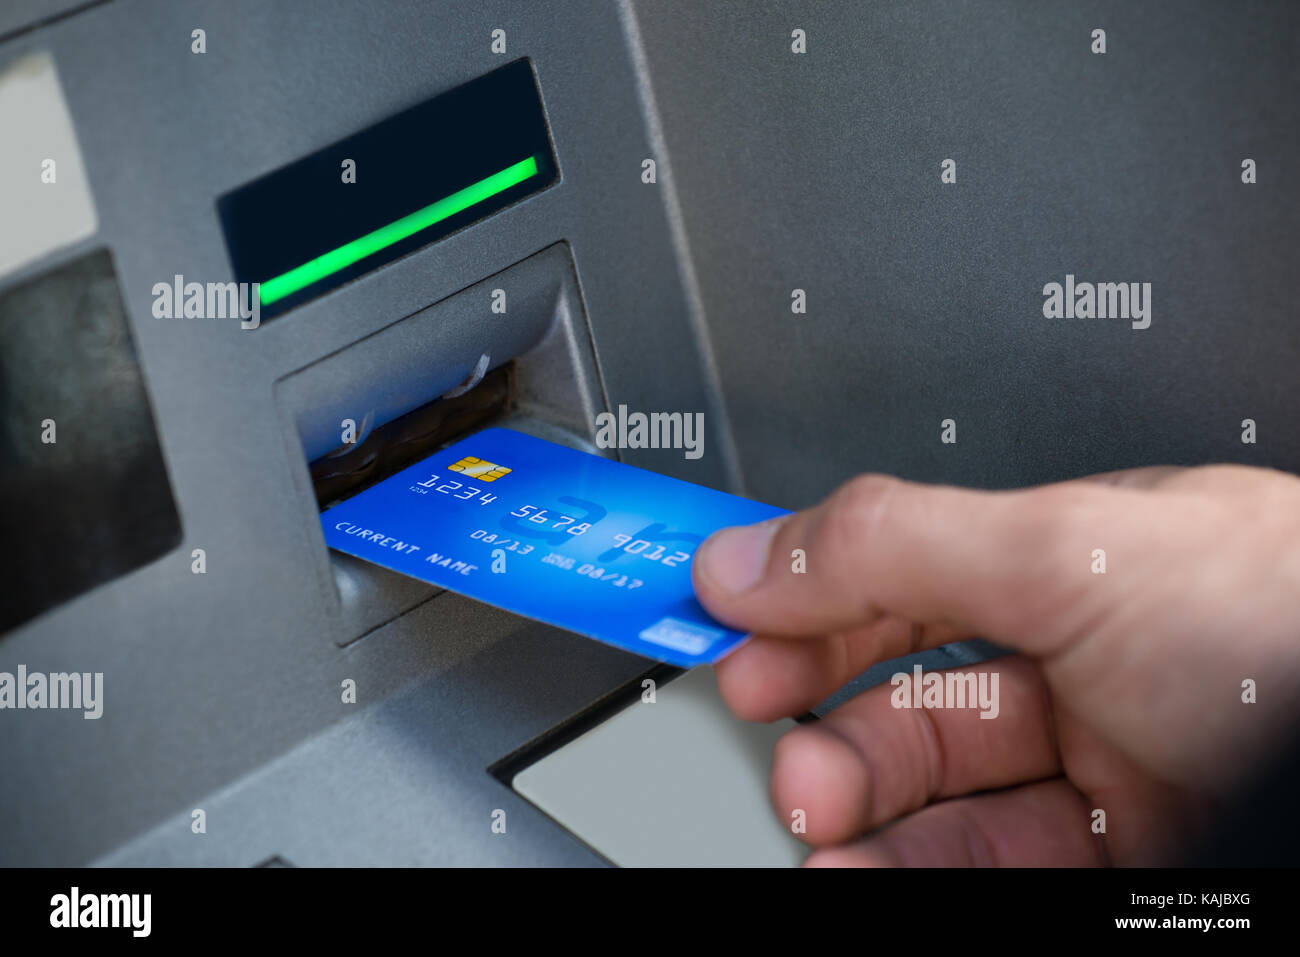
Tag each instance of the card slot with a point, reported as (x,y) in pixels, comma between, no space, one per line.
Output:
(365,412)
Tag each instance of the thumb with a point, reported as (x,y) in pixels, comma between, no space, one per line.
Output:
(1014,566)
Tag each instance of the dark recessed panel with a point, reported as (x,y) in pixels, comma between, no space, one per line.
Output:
(84,494)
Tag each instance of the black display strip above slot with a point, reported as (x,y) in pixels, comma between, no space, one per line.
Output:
(377,195)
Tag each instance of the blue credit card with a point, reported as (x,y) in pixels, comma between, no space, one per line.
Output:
(562,536)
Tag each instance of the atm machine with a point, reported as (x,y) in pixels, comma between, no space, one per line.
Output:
(566,208)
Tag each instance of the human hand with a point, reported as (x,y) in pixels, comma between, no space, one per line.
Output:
(1125,695)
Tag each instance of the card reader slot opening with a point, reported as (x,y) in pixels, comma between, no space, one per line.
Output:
(407,439)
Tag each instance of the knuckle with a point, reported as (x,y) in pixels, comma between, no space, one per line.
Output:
(1052,524)
(858,507)
(1061,528)
(851,522)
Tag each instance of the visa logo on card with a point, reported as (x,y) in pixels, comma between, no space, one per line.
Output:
(568,538)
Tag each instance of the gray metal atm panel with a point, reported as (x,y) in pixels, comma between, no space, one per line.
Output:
(822,171)
(818,172)
(207,677)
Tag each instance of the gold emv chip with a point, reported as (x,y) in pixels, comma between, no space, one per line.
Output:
(480,469)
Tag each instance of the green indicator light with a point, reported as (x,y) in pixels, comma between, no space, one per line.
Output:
(331,262)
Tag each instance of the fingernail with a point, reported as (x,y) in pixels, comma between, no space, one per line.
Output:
(735,558)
